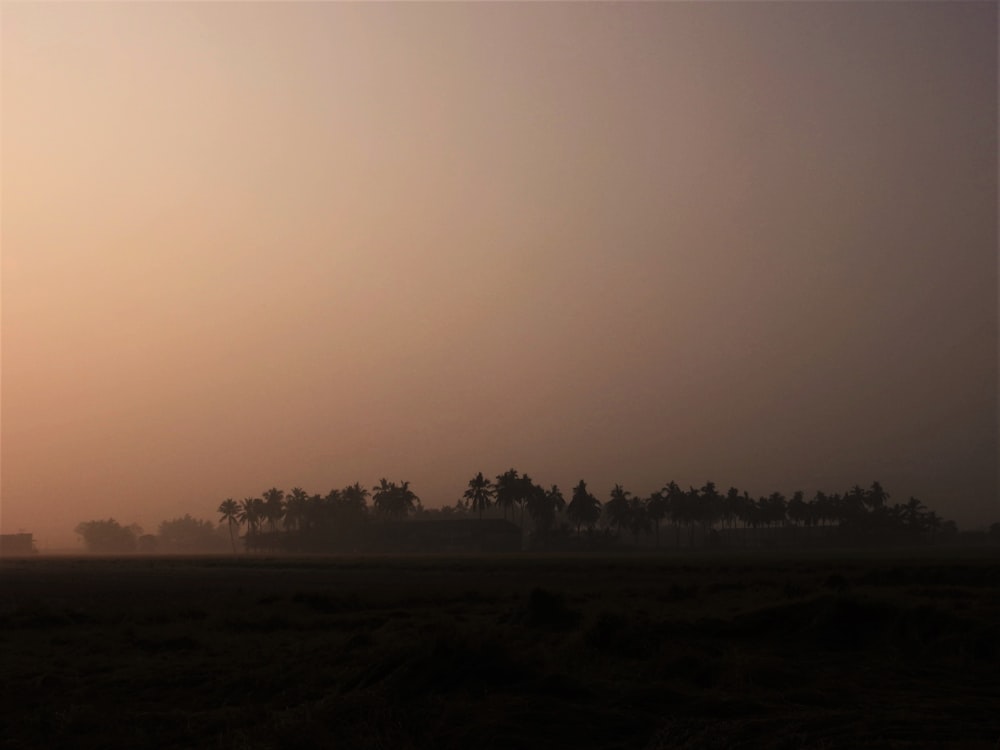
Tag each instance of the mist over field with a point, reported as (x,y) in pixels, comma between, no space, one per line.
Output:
(305,245)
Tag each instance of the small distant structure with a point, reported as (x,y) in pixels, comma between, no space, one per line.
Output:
(17,545)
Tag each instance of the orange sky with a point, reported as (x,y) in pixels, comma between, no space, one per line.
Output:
(247,245)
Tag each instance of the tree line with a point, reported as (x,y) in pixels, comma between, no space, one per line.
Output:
(298,521)
(699,510)
(696,515)
(179,535)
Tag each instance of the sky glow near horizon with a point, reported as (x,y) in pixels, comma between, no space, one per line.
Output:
(280,244)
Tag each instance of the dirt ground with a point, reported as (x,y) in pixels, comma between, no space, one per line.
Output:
(506,652)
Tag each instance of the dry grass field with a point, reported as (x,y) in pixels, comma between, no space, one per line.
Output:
(507,652)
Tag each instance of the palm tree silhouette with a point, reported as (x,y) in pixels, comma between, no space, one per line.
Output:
(689,511)
(584,509)
(710,509)
(524,490)
(230,510)
(296,509)
(774,508)
(656,510)
(382,497)
(913,515)
(249,514)
(480,493)
(853,504)
(731,507)
(543,505)
(638,517)
(393,500)
(875,498)
(408,500)
(354,498)
(617,507)
(796,509)
(746,512)
(274,507)
(506,489)
(675,500)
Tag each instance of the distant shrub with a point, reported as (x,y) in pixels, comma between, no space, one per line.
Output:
(108,537)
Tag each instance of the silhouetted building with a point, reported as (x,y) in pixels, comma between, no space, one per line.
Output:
(17,544)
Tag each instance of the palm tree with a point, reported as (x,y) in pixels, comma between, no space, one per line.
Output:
(296,508)
(852,505)
(797,510)
(506,490)
(836,508)
(230,511)
(710,509)
(690,511)
(556,499)
(584,509)
(676,500)
(543,505)
(617,508)
(774,508)
(745,508)
(746,512)
(382,497)
(394,500)
(913,515)
(819,508)
(480,493)
(407,498)
(933,523)
(249,514)
(731,506)
(274,507)
(524,490)
(638,518)
(876,497)
(656,510)
(315,512)
(355,499)
(753,513)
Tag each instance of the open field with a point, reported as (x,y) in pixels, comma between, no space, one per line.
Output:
(507,652)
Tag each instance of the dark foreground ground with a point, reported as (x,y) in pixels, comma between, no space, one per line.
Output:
(500,653)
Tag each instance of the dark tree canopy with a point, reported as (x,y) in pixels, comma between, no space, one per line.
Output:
(190,535)
(108,537)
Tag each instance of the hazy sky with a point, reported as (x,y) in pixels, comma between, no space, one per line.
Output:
(279,244)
